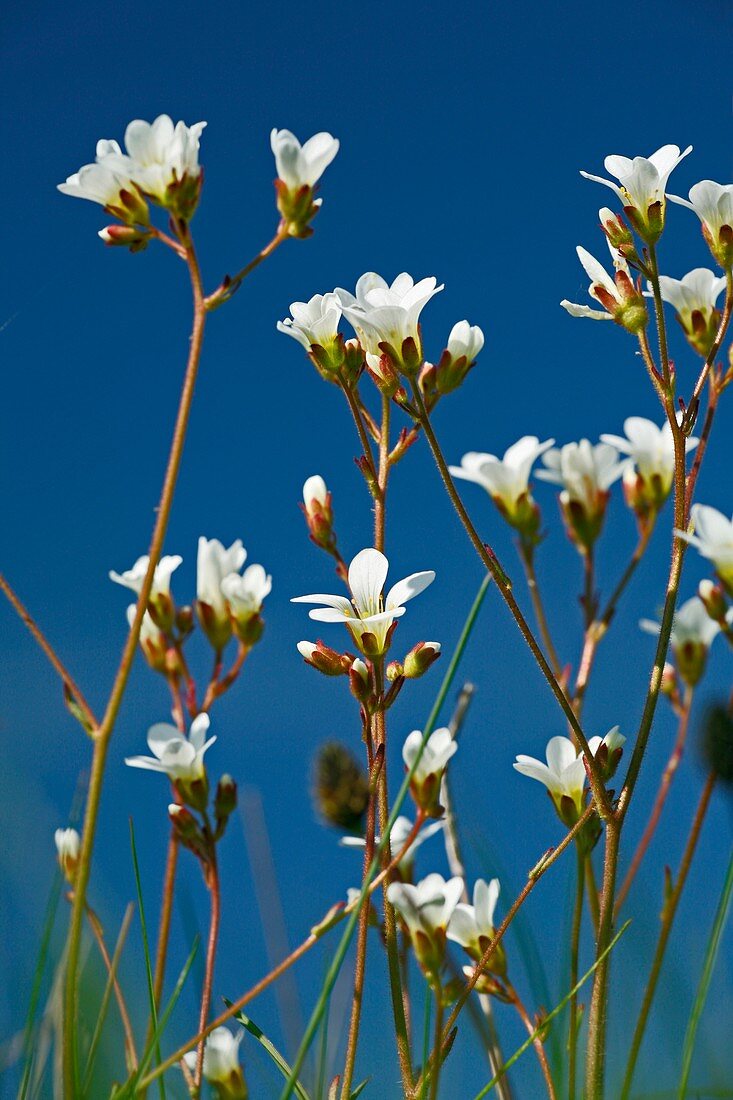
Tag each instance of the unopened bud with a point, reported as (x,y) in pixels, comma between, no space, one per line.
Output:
(360,681)
(341,788)
(68,848)
(420,658)
(713,596)
(125,236)
(394,671)
(618,233)
(318,512)
(326,660)
(669,685)
(354,362)
(188,830)
(194,792)
(225,802)
(184,620)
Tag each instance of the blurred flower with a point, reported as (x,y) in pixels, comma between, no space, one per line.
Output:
(369,615)
(153,641)
(641,186)
(713,204)
(648,482)
(506,480)
(621,300)
(693,632)
(426,909)
(221,1064)
(68,847)
(245,595)
(160,597)
(398,835)
(585,473)
(214,563)
(383,314)
(428,774)
(472,926)
(713,538)
(109,184)
(302,165)
(179,757)
(341,787)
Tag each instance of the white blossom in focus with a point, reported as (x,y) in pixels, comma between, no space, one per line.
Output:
(619,297)
(388,314)
(713,204)
(506,479)
(162,158)
(179,757)
(465,341)
(642,183)
(563,775)
(472,926)
(302,165)
(314,322)
(585,473)
(651,450)
(368,613)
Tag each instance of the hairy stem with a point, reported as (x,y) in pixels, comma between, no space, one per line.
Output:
(212,881)
(574,971)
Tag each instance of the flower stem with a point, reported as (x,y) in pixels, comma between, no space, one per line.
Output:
(664,786)
(668,915)
(96,927)
(437,1033)
(491,563)
(212,881)
(537,1043)
(574,971)
(103,733)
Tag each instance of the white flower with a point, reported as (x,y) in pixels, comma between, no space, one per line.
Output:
(613,740)
(133,578)
(313,322)
(221,1057)
(651,450)
(102,181)
(389,314)
(472,926)
(642,182)
(465,341)
(586,472)
(214,563)
(696,292)
(68,847)
(179,757)
(302,166)
(691,625)
(398,835)
(247,593)
(506,479)
(713,204)
(160,156)
(368,612)
(713,538)
(315,493)
(428,774)
(153,641)
(426,909)
(619,297)
(563,774)
(607,751)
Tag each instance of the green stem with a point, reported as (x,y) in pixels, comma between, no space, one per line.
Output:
(668,915)
(437,1033)
(574,971)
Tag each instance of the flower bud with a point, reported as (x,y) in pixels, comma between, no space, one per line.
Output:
(718,742)
(360,681)
(326,660)
(384,375)
(318,512)
(354,362)
(713,596)
(297,207)
(125,236)
(669,685)
(420,658)
(394,671)
(618,233)
(194,792)
(184,621)
(225,802)
(68,847)
(341,788)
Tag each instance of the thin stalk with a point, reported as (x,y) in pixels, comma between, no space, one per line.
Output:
(427,1013)
(103,733)
(359,424)
(588,586)
(212,881)
(594,904)
(668,915)
(491,563)
(73,690)
(230,286)
(574,971)
(166,912)
(664,786)
(111,966)
(380,499)
(437,1033)
(526,553)
(537,1043)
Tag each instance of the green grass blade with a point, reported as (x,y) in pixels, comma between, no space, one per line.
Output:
(360,1088)
(104,1006)
(323,1055)
(271,1049)
(556,1010)
(711,954)
(49,921)
(348,934)
(146,948)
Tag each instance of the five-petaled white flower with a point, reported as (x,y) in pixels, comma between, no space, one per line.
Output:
(563,775)
(712,536)
(381,313)
(369,614)
(696,292)
(179,757)
(465,341)
(641,185)
(430,768)
(68,847)
(398,835)
(314,322)
(693,632)
(713,204)
(133,578)
(586,473)
(619,297)
(160,156)
(302,165)
(221,1061)
(472,926)
(104,181)
(426,909)
(651,450)
(506,479)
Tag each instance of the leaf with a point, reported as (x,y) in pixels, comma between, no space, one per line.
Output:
(360,1088)
(102,1013)
(271,1049)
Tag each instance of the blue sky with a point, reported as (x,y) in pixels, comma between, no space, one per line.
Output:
(463,128)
